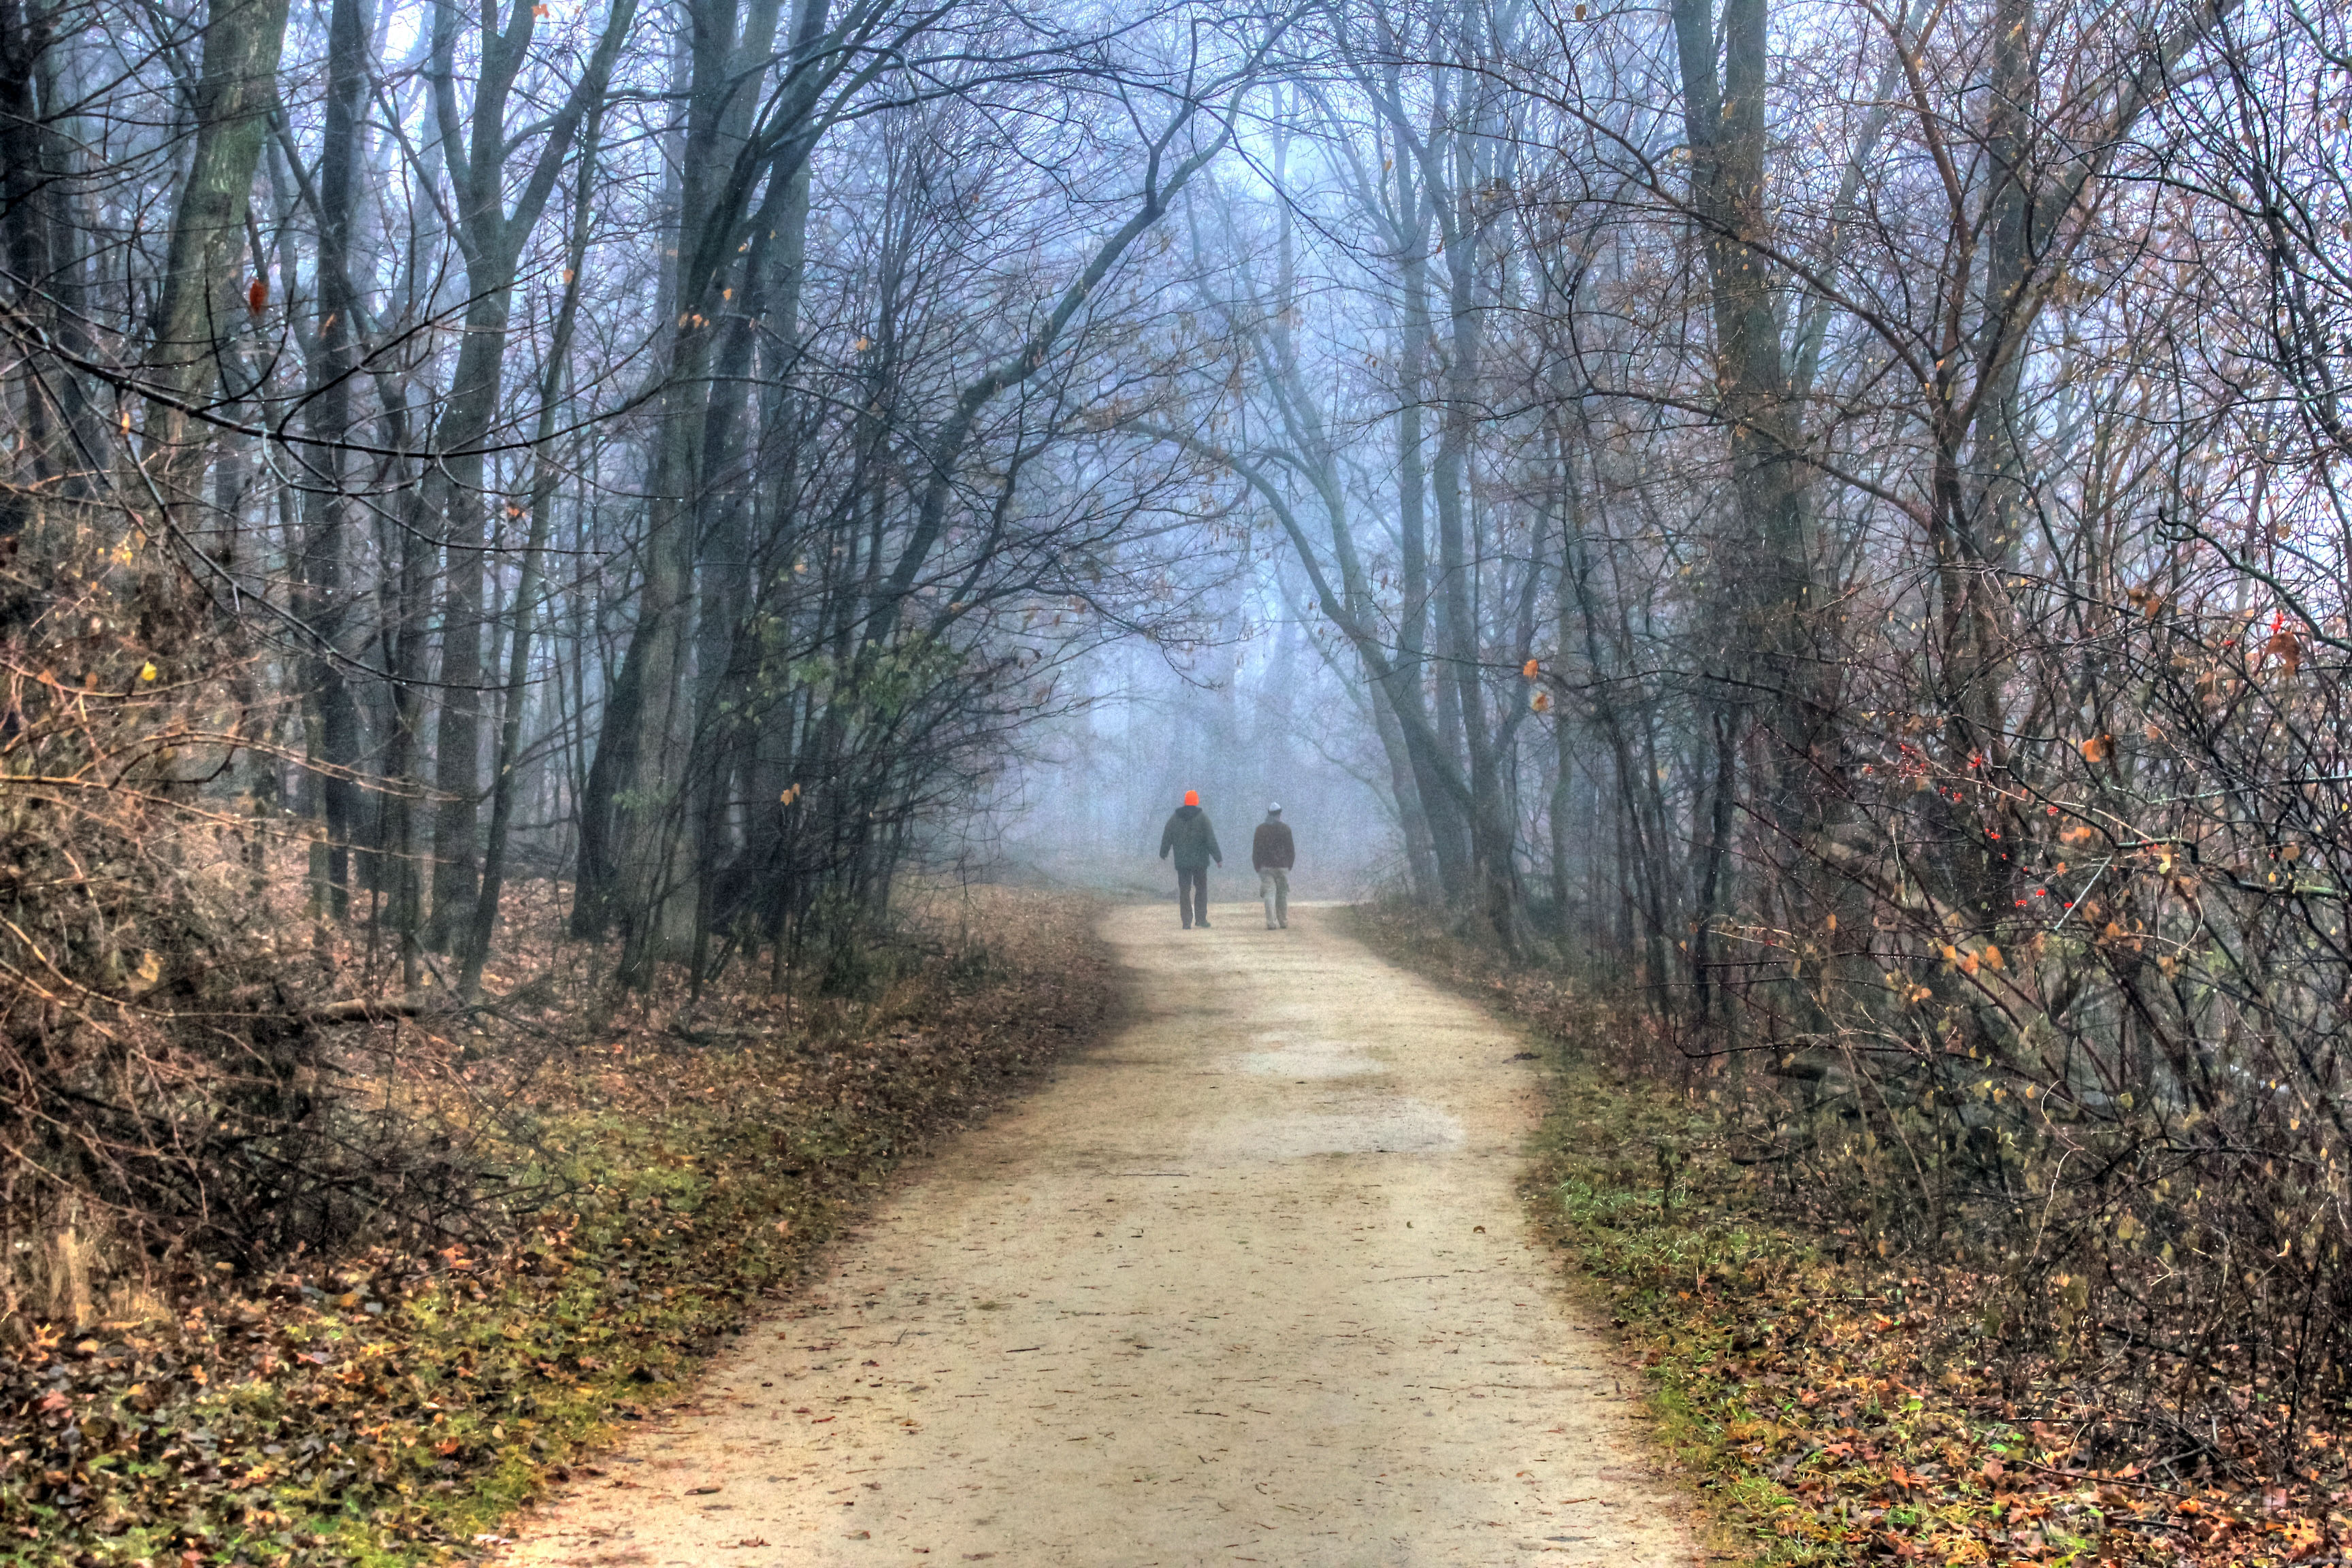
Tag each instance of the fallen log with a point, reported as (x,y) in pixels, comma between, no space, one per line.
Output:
(375,1010)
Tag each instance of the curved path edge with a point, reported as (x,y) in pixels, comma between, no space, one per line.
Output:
(1251,1282)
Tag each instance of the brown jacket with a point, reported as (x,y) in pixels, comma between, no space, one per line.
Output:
(1271,848)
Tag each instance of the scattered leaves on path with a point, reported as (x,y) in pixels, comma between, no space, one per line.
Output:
(392,1408)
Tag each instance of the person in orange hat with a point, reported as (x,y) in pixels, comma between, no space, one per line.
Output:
(1190,838)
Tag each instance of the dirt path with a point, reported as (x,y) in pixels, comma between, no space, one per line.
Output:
(1250,1284)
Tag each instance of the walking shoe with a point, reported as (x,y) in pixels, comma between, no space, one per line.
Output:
(1204,925)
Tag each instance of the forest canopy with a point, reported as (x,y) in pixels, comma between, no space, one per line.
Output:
(1824,518)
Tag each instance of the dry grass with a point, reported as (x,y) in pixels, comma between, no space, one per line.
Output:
(1843,1407)
(652,1173)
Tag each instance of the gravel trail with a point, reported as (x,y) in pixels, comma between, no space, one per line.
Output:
(1250,1283)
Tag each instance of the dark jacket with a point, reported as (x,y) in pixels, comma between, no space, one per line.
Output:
(1188,833)
(1271,848)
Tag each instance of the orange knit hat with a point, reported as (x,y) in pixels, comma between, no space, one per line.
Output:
(1191,797)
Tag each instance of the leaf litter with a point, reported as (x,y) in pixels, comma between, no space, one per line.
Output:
(393,1406)
(1843,1408)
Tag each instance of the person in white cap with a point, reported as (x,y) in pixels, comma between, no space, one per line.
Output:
(1272,855)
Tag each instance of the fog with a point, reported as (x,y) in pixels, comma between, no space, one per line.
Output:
(1249,721)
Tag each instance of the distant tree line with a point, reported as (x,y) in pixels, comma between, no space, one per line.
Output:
(1835,512)
(644,449)
(1840,508)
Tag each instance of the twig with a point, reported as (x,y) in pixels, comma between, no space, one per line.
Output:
(368,1010)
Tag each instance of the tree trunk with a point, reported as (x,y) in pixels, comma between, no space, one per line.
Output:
(1764,570)
(336,757)
(647,822)
(1449,839)
(545,479)
(201,301)
(491,238)
(1493,870)
(26,40)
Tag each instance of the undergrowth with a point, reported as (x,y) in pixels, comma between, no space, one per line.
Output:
(391,1408)
(1839,1408)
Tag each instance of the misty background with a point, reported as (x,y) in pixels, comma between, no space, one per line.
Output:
(1261,718)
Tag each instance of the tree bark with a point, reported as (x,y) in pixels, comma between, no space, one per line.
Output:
(492,238)
(201,304)
(336,757)
(545,478)
(1767,577)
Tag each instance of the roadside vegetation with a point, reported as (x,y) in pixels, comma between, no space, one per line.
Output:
(642,1180)
(1832,512)
(1841,1405)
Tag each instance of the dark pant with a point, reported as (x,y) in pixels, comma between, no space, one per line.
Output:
(1192,895)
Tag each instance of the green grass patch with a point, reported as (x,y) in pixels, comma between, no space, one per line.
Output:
(1833,1409)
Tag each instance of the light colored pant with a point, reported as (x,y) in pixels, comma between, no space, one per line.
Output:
(1273,887)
